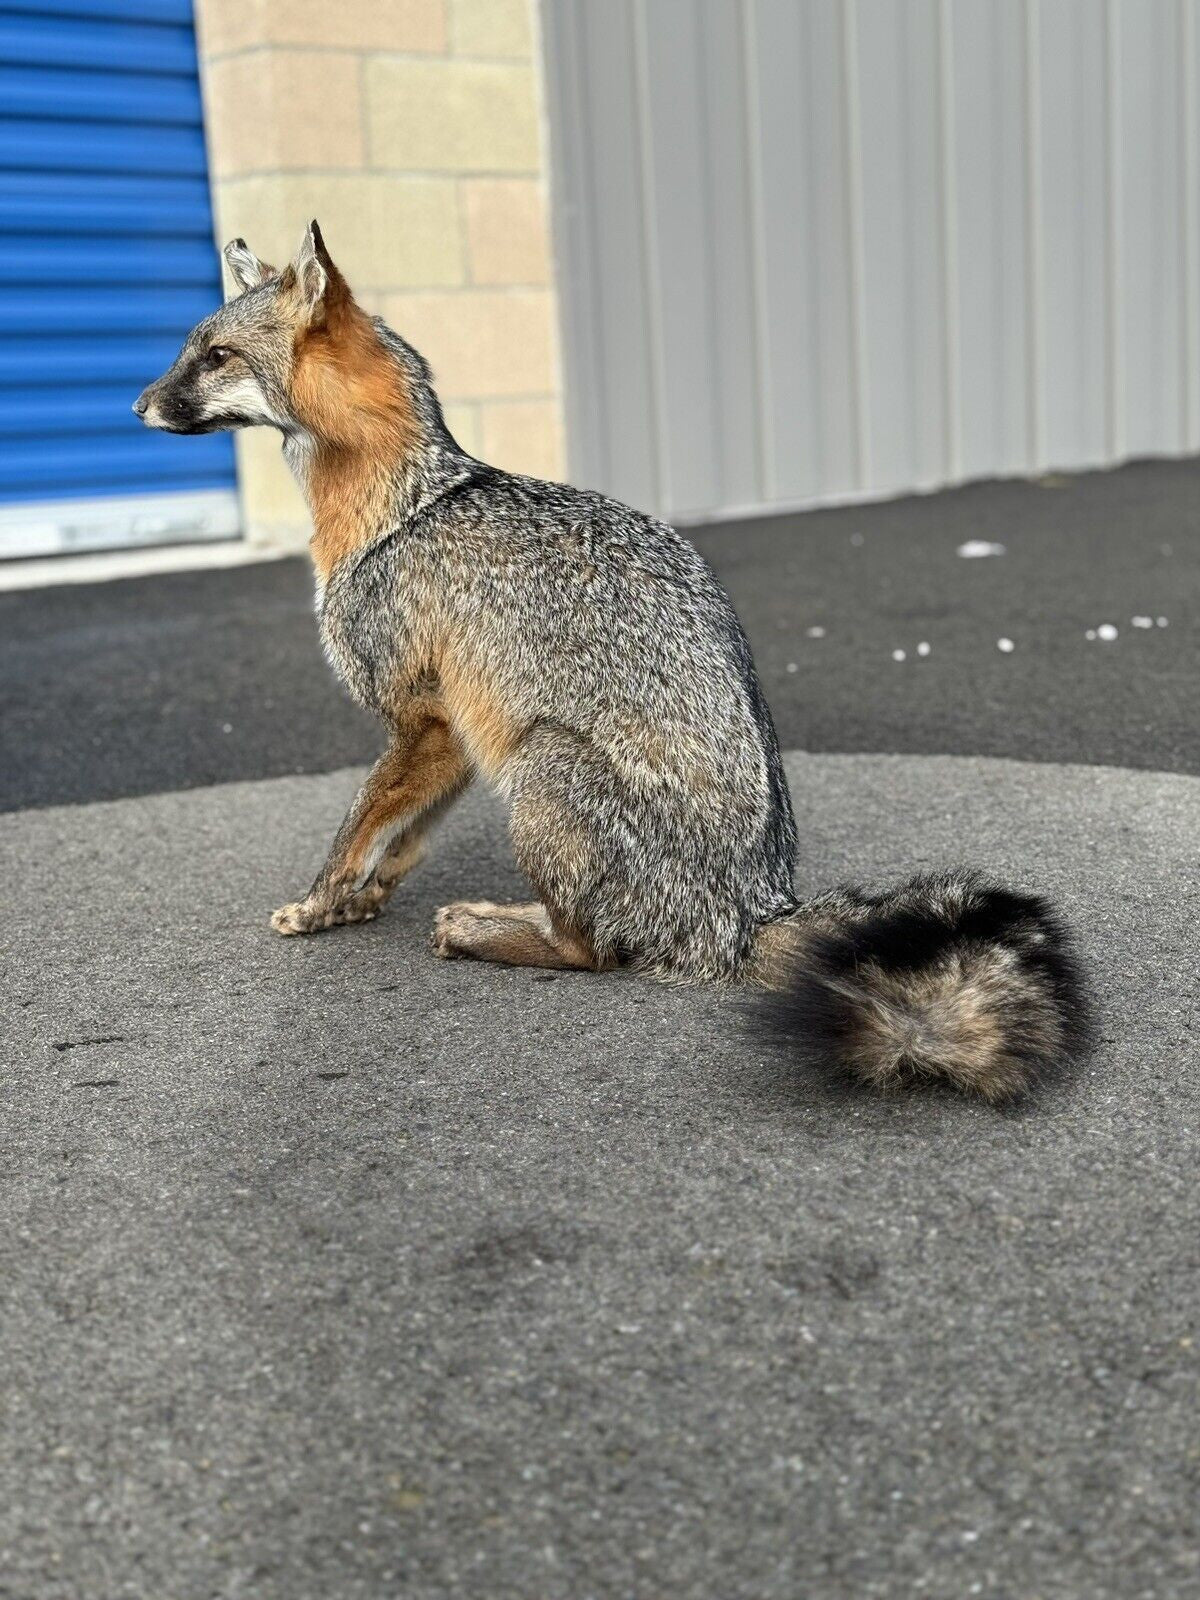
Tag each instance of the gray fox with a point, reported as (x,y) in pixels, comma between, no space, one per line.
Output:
(583,658)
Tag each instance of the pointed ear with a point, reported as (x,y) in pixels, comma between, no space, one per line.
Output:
(246,270)
(318,282)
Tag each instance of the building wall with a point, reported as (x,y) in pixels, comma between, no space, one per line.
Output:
(844,248)
(411,129)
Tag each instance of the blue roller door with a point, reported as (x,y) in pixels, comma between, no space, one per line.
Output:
(106,260)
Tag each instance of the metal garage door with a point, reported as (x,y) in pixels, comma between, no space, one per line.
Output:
(813,250)
(106,259)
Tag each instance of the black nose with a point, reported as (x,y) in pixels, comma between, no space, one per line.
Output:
(140,404)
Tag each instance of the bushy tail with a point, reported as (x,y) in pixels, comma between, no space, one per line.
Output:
(947,977)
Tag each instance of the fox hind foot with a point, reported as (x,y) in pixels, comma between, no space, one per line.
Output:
(518,935)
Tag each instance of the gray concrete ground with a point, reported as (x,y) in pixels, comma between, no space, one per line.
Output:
(334,1272)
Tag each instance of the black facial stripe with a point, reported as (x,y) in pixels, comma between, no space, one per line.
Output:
(228,419)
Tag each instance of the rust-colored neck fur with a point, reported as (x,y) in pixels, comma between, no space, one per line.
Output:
(352,399)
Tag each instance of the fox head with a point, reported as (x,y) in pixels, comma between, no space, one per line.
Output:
(362,428)
(291,349)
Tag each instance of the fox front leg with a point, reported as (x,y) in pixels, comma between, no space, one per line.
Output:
(382,836)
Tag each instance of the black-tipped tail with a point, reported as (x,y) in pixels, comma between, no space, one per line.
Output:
(947,977)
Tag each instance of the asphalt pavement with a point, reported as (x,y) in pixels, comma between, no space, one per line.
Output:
(335,1272)
(147,684)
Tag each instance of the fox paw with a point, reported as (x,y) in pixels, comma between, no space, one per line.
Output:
(303,916)
(450,925)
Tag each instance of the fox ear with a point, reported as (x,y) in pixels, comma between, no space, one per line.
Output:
(247,271)
(319,283)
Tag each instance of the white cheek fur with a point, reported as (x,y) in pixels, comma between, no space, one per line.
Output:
(243,397)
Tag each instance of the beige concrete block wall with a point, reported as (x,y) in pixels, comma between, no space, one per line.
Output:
(413,130)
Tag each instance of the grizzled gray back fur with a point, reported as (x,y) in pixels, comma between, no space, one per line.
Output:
(648,798)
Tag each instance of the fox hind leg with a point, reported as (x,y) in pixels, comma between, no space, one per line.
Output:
(517,935)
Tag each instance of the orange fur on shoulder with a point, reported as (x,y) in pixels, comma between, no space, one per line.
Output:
(487,726)
(351,397)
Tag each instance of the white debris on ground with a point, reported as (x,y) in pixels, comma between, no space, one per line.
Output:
(1107,631)
(856,538)
(819,633)
(975,548)
(792,667)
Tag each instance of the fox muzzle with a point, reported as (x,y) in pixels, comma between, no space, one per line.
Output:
(170,410)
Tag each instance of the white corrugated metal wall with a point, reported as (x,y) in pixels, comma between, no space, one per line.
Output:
(813,250)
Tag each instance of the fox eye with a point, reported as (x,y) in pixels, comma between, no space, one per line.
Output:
(217,356)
